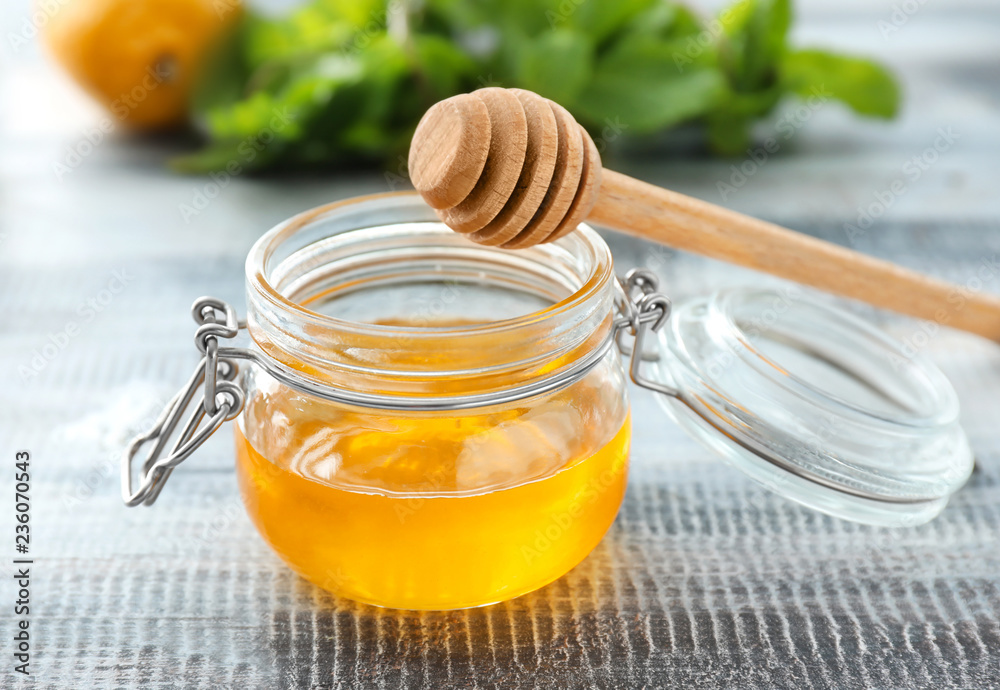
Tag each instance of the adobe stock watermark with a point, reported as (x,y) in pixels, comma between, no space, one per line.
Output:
(659,257)
(222,520)
(98,473)
(437,311)
(59,340)
(406,507)
(247,151)
(224,7)
(488,81)
(400,177)
(391,17)
(563,12)
(560,523)
(225,516)
(611,130)
(901,14)
(912,171)
(28,29)
(723,358)
(785,128)
(696,45)
(108,467)
(772,496)
(609,133)
(926,330)
(121,108)
(440,479)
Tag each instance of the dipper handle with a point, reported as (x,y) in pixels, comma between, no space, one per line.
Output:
(653,213)
(507,167)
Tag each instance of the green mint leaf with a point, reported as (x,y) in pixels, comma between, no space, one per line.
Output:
(598,20)
(442,65)
(728,133)
(729,125)
(649,84)
(354,90)
(556,65)
(757,32)
(316,27)
(864,86)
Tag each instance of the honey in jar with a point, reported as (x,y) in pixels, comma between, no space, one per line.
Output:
(478,446)
(434,512)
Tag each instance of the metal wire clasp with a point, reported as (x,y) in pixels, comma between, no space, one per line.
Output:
(221,401)
(643,309)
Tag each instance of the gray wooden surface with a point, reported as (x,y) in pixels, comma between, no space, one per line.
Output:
(704,579)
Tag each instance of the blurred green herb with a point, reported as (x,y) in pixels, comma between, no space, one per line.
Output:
(341,81)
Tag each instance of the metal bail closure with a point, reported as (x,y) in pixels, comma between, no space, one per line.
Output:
(643,310)
(221,400)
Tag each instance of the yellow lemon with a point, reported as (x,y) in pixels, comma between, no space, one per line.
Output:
(140,58)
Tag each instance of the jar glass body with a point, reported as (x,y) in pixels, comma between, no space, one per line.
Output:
(484,452)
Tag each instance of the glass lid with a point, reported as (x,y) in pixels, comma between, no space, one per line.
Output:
(813,403)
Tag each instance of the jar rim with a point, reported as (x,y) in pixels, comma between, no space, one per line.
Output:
(601,274)
(392,241)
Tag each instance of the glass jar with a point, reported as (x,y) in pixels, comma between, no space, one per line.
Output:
(454,485)
(427,423)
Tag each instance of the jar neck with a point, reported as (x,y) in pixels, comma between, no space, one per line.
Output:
(375,295)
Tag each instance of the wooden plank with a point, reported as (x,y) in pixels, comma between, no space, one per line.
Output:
(704,579)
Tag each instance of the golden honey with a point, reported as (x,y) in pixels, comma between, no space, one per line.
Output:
(431,510)
(430,423)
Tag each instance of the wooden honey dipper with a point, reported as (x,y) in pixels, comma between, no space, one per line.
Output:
(507,167)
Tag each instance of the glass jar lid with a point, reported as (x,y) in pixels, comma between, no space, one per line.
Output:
(812,402)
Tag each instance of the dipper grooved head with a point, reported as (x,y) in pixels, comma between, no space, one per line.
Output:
(505,167)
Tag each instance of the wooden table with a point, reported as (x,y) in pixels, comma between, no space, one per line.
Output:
(705,579)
